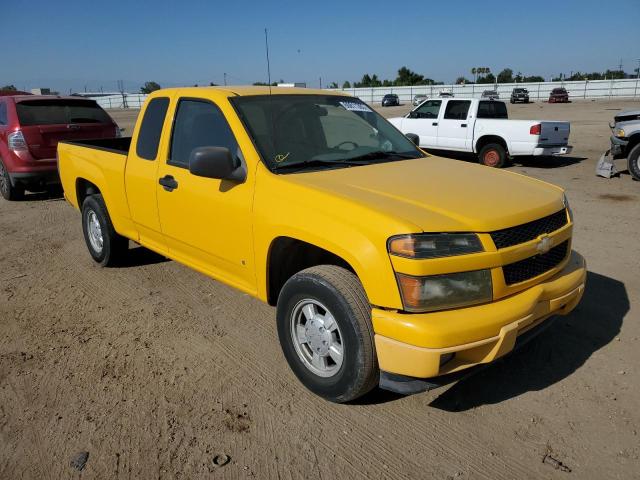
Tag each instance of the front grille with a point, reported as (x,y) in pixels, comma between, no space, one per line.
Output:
(529,231)
(533,266)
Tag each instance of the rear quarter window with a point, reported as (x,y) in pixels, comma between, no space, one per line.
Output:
(492,110)
(151,128)
(3,113)
(60,111)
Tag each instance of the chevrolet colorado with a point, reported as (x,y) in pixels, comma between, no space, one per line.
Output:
(387,266)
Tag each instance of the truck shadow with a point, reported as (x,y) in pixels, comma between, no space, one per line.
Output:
(535,162)
(557,353)
(547,162)
(139,256)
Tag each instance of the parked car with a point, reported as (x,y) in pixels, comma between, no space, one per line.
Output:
(490,95)
(30,128)
(482,127)
(418,99)
(445,94)
(520,95)
(311,201)
(559,95)
(625,140)
(390,100)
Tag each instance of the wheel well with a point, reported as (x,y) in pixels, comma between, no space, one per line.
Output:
(482,141)
(84,188)
(288,256)
(633,141)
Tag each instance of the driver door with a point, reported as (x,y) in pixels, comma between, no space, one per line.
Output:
(423,121)
(206,221)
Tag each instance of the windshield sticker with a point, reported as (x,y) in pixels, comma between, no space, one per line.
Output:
(355,106)
(281,157)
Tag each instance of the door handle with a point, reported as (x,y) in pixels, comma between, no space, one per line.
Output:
(435,124)
(463,125)
(168,183)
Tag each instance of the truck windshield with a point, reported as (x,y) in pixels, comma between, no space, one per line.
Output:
(60,111)
(297,132)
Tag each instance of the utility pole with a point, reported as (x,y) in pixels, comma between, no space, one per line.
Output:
(225,78)
(320,83)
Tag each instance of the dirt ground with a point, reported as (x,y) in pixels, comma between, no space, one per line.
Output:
(154,369)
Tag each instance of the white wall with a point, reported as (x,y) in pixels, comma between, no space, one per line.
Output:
(541,90)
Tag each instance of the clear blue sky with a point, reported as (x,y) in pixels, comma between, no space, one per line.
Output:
(70,44)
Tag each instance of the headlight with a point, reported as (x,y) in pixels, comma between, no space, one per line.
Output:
(619,132)
(438,292)
(434,245)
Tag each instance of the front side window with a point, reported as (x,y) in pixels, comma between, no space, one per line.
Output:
(457,110)
(429,109)
(151,128)
(294,132)
(60,111)
(198,123)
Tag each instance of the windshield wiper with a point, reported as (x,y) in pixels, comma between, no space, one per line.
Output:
(383,155)
(316,163)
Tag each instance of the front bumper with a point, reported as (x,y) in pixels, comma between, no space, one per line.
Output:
(423,341)
(559,150)
(618,146)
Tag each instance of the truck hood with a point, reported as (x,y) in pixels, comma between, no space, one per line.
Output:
(440,195)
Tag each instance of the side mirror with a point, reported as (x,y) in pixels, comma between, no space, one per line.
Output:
(216,162)
(415,139)
(413,114)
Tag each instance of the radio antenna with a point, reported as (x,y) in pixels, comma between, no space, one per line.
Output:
(273,125)
(266,44)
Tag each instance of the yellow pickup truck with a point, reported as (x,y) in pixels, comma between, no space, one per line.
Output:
(387,266)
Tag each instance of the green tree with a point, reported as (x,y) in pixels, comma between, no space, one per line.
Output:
(461,81)
(150,87)
(346,84)
(333,85)
(505,76)
(407,77)
(533,78)
(8,88)
(487,79)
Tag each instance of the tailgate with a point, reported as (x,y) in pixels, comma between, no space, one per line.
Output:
(554,133)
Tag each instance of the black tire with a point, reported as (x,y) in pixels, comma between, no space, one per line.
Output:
(341,293)
(8,191)
(493,155)
(114,246)
(633,162)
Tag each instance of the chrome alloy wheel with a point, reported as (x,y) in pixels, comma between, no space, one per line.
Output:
(317,338)
(95,231)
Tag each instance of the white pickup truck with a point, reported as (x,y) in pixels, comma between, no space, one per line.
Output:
(482,127)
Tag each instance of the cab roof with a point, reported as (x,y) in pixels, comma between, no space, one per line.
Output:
(245,90)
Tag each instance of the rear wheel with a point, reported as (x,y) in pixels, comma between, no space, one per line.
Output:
(633,162)
(8,191)
(324,327)
(493,155)
(105,245)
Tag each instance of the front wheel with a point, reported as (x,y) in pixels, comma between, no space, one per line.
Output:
(324,327)
(105,245)
(493,155)
(8,191)
(633,162)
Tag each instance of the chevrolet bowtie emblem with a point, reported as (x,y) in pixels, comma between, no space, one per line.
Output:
(544,244)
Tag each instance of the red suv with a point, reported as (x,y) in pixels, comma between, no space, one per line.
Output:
(30,128)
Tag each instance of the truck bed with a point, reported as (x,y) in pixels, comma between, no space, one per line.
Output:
(115,145)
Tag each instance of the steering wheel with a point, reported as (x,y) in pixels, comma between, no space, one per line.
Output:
(355,145)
